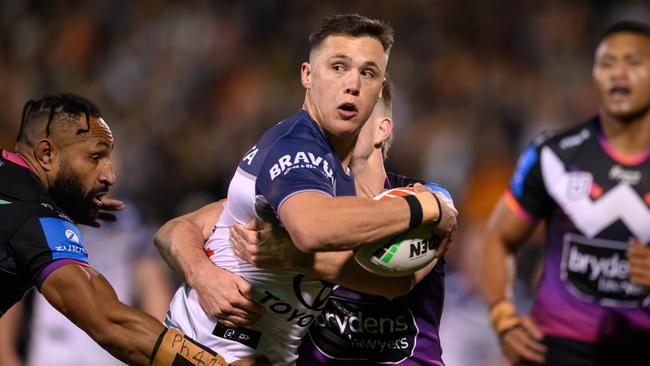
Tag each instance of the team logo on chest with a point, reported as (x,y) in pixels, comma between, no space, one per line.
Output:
(579,184)
(570,190)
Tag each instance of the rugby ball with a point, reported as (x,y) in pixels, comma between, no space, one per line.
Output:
(403,254)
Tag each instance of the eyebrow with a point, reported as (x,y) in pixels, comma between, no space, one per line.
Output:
(349,59)
(103,144)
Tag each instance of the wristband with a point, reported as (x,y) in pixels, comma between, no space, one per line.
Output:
(504,316)
(439,209)
(173,348)
(416,211)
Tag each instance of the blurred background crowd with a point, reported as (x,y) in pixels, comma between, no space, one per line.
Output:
(189,86)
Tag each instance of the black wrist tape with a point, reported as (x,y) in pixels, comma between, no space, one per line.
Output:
(416,211)
(439,209)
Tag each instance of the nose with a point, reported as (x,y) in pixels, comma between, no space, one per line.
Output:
(353,83)
(107,176)
(619,70)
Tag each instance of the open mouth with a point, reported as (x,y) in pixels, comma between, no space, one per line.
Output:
(347,110)
(619,91)
(97,200)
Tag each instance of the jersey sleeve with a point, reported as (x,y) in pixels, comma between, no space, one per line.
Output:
(43,244)
(527,195)
(295,165)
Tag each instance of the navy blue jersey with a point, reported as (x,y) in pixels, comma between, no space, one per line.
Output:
(36,237)
(292,157)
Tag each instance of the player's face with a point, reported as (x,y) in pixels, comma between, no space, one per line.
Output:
(343,80)
(622,75)
(84,173)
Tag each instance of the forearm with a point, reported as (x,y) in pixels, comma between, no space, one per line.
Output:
(321,223)
(497,269)
(342,269)
(130,335)
(9,327)
(180,244)
(87,299)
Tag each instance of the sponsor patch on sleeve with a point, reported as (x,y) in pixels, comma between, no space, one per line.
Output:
(64,239)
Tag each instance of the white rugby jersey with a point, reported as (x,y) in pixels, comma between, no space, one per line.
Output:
(293,156)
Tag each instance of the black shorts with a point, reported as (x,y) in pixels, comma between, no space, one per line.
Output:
(567,352)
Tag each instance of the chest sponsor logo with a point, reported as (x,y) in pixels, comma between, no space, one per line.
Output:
(631,177)
(597,271)
(348,330)
(301,160)
(310,297)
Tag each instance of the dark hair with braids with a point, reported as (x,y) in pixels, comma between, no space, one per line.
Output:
(63,107)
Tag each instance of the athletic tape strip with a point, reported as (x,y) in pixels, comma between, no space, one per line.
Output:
(439,209)
(504,317)
(173,348)
(416,211)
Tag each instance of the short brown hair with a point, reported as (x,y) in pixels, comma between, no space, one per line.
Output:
(353,25)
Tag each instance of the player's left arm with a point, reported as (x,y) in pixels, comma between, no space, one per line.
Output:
(639,257)
(223,295)
(266,247)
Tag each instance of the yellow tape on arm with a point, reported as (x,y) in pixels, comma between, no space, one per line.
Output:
(504,316)
(175,349)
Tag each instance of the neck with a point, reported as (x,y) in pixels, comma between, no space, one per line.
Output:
(27,155)
(369,174)
(631,137)
(342,145)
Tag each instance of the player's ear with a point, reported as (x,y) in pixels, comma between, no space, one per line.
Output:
(384,131)
(45,154)
(305,75)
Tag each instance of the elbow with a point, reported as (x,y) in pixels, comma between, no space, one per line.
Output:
(320,238)
(162,238)
(308,239)
(158,239)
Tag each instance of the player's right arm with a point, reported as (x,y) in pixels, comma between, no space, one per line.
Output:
(264,246)
(506,233)
(51,251)
(303,194)
(512,222)
(223,295)
(317,222)
(88,300)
